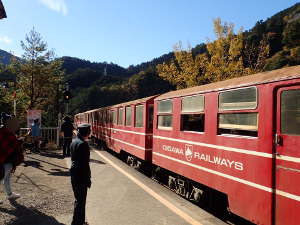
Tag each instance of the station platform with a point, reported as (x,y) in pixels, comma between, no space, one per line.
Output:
(120,195)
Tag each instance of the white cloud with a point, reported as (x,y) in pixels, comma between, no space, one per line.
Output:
(56,5)
(5,39)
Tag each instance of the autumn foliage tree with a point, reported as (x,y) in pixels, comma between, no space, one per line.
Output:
(185,70)
(226,57)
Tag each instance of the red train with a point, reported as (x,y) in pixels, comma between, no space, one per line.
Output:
(238,139)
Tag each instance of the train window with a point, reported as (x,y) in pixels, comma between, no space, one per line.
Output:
(165,122)
(165,106)
(104,116)
(191,117)
(114,116)
(128,116)
(244,98)
(238,124)
(110,117)
(139,109)
(120,116)
(290,112)
(100,116)
(192,104)
(192,122)
(96,117)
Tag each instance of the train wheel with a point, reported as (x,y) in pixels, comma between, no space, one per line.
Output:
(172,183)
(156,173)
(196,194)
(130,161)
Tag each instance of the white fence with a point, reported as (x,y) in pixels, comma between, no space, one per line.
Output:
(51,134)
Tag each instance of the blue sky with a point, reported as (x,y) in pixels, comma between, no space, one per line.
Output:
(125,32)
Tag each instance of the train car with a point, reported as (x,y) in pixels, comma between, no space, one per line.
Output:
(89,117)
(80,118)
(240,137)
(126,127)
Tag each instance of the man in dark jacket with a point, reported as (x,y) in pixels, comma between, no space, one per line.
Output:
(67,131)
(80,172)
(9,151)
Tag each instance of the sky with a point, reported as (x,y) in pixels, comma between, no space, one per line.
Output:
(125,32)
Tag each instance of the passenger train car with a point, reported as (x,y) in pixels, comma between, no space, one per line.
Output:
(237,141)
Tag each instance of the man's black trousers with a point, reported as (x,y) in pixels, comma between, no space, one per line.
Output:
(80,192)
(66,146)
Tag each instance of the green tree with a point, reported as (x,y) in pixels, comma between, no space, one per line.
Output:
(38,75)
(291,34)
(256,53)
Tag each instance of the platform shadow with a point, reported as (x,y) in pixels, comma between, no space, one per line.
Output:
(97,161)
(26,216)
(59,172)
(52,155)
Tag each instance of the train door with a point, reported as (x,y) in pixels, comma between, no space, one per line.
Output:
(150,117)
(287,157)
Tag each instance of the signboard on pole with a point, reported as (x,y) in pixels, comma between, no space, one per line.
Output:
(32,115)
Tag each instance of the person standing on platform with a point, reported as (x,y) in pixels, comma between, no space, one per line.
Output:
(80,172)
(67,132)
(9,152)
(36,135)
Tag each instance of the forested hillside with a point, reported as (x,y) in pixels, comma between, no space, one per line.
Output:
(5,57)
(270,44)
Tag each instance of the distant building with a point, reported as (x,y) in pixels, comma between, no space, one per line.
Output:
(2,11)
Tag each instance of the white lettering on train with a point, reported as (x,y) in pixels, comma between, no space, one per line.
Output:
(176,150)
(219,161)
(204,157)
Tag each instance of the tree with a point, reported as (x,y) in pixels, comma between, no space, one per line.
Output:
(38,75)
(225,53)
(226,57)
(186,70)
(5,106)
(291,34)
(255,54)
(147,83)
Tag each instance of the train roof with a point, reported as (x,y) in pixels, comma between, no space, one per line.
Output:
(249,80)
(137,101)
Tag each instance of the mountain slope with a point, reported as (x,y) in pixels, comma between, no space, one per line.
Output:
(5,57)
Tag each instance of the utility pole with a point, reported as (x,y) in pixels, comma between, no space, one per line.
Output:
(67,103)
(67,97)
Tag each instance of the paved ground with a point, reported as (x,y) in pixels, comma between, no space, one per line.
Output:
(119,196)
(46,192)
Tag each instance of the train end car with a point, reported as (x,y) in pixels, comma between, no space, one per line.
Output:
(240,137)
(126,127)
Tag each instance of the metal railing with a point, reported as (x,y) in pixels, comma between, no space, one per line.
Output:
(51,134)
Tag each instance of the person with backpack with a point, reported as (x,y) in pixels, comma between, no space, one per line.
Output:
(67,132)
(11,155)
